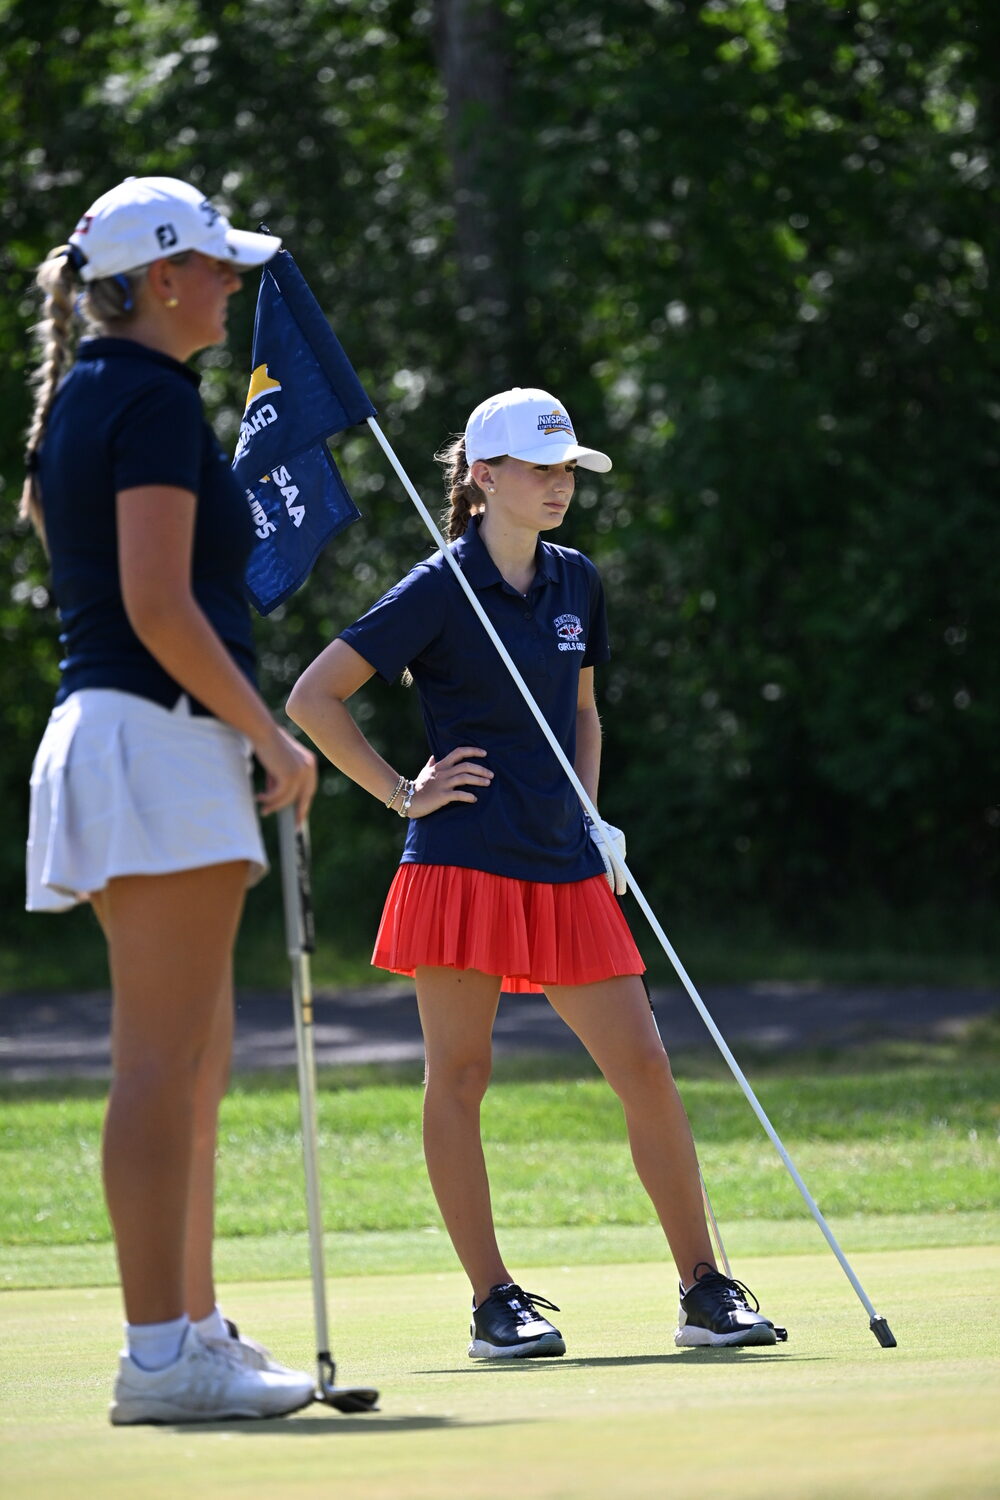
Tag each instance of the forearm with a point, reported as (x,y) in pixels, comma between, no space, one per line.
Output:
(587,763)
(155,548)
(329,724)
(187,647)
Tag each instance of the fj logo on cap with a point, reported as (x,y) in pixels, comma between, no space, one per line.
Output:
(555,421)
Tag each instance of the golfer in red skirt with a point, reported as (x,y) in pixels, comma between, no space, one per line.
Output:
(501,886)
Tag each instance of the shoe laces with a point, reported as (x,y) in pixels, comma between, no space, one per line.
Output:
(727,1288)
(238,1338)
(215,1351)
(528,1302)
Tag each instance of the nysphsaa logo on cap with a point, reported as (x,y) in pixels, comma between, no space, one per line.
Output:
(555,421)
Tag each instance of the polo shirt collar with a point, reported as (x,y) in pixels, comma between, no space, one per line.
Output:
(471,553)
(111,348)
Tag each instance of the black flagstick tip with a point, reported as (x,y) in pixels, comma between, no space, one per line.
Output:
(883,1333)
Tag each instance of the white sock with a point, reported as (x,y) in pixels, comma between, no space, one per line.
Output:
(212,1327)
(153,1346)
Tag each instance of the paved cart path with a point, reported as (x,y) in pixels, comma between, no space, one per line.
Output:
(67,1035)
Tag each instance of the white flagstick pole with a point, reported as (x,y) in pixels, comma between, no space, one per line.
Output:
(878,1325)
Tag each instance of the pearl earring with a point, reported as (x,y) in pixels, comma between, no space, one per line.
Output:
(490,489)
(171,302)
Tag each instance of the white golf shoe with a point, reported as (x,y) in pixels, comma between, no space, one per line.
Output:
(207,1383)
(253,1355)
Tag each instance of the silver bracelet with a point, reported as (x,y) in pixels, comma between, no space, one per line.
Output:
(404,810)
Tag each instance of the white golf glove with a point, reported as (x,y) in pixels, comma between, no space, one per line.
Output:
(616,880)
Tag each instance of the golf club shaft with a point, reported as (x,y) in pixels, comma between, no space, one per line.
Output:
(299,942)
(621,868)
(714,1226)
(713,1223)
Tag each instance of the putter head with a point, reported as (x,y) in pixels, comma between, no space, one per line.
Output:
(349,1399)
(882,1332)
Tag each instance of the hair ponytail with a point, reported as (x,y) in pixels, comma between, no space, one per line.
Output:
(56,277)
(465,498)
(105,303)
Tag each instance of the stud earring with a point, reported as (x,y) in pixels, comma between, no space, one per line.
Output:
(171,302)
(490,489)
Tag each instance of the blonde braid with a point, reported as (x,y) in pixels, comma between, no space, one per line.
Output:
(56,277)
(465,498)
(105,303)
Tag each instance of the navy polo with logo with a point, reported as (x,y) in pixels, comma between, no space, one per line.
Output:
(528,822)
(124,417)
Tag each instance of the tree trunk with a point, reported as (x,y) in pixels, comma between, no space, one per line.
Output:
(470,46)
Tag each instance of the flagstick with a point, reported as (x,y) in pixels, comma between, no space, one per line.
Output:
(878,1325)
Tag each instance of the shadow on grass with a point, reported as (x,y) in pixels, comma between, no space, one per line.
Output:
(624,1361)
(309,1426)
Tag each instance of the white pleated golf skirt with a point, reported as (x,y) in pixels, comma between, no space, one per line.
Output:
(123,786)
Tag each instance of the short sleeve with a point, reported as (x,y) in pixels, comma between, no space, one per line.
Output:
(598,644)
(159,437)
(401,625)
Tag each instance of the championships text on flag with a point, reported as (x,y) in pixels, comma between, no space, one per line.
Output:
(303,390)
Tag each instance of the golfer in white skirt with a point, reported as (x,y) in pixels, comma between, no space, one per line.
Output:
(141,797)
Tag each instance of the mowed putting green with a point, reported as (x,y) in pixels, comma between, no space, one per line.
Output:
(624,1414)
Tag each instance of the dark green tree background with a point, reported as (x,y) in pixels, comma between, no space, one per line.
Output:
(753,244)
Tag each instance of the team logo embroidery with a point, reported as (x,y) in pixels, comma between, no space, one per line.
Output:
(569,629)
(555,421)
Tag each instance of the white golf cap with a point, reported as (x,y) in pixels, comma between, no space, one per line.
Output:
(146,218)
(530,425)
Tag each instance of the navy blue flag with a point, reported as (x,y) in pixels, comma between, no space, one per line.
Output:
(303,390)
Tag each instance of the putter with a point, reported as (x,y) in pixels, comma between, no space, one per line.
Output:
(299,933)
(713,1222)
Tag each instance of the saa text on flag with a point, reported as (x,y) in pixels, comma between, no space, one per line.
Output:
(303,390)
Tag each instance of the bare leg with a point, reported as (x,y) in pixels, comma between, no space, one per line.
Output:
(170,941)
(457,1011)
(615,1024)
(210,1087)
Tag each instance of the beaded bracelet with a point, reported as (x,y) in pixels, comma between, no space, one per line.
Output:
(396,790)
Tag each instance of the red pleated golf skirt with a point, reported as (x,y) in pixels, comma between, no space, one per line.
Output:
(531,933)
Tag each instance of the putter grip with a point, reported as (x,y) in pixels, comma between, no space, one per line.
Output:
(295,882)
(303,877)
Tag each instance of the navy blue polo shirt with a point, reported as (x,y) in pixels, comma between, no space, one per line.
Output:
(528,822)
(127,416)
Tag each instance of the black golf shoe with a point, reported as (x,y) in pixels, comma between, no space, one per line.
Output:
(507,1325)
(717,1311)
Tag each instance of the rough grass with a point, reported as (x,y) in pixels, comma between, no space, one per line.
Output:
(892,1131)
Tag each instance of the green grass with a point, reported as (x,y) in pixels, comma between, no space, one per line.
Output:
(625,1416)
(898,1143)
(894,1130)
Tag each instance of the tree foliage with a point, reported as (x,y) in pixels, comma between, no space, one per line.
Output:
(752,244)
